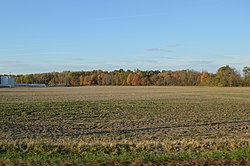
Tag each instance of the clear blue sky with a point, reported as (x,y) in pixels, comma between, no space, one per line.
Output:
(55,35)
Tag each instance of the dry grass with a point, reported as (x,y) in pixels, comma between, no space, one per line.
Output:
(124,93)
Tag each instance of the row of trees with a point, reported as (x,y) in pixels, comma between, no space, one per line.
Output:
(225,76)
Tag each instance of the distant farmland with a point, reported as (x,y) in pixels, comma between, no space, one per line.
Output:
(131,125)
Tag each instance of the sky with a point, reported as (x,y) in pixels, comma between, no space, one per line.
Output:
(38,36)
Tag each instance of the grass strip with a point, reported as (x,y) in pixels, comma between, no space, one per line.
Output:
(100,154)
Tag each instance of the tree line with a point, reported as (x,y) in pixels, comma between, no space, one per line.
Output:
(225,76)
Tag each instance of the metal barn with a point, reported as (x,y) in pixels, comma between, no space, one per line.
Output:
(7,81)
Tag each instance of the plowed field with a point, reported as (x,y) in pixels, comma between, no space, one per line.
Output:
(157,120)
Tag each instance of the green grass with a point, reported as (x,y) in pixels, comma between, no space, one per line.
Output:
(96,153)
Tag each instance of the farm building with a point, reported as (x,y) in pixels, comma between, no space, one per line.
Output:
(7,81)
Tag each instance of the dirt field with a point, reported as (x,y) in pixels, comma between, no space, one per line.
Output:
(123,93)
(157,119)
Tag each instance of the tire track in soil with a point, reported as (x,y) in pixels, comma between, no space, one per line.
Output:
(62,128)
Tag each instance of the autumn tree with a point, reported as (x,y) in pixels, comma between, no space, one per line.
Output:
(246,72)
(81,80)
(135,80)
(93,79)
(129,79)
(106,80)
(225,76)
(205,78)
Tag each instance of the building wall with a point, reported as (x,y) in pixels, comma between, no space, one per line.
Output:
(6,81)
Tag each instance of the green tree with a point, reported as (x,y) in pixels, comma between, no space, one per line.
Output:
(227,76)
